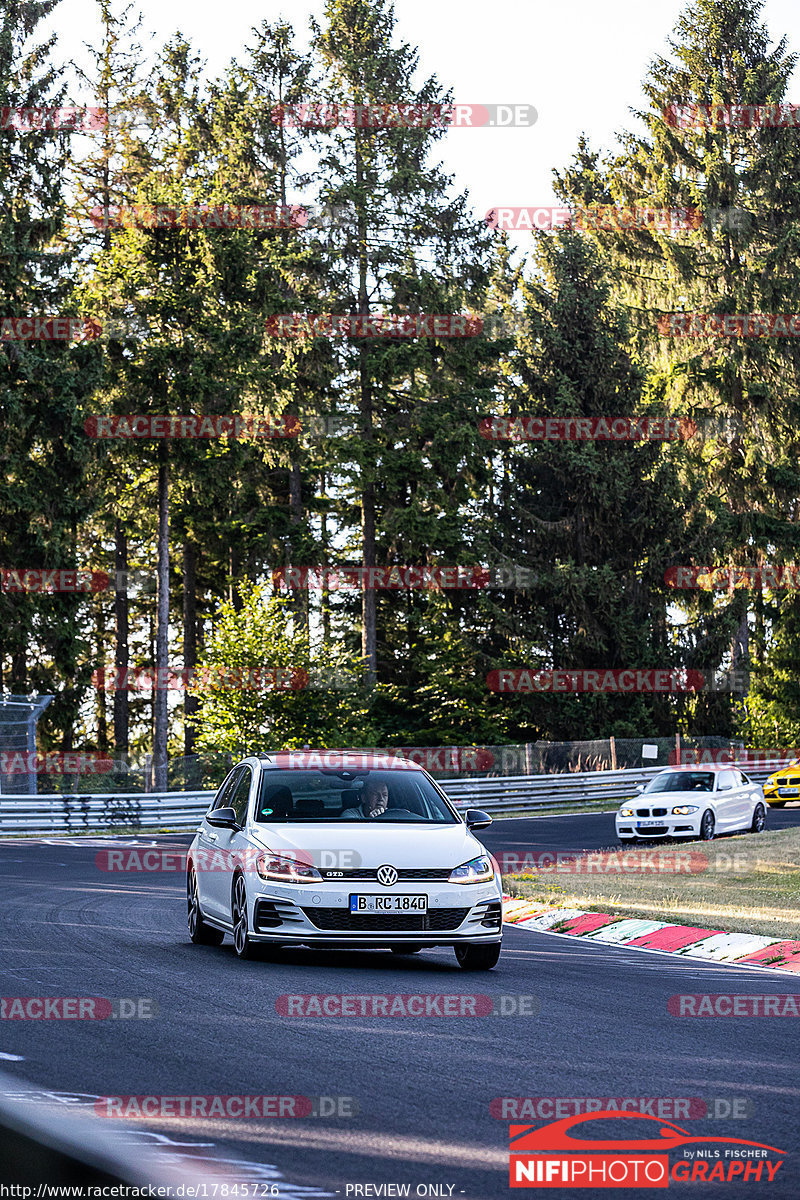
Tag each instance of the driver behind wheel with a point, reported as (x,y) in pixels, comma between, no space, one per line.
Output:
(375,802)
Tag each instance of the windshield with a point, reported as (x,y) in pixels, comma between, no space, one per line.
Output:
(366,795)
(682,781)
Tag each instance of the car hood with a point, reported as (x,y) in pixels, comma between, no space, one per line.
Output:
(373,844)
(665,799)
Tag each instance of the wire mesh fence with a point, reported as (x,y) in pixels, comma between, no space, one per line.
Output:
(91,772)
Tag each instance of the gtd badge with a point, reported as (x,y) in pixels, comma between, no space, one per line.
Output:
(387,876)
(334,874)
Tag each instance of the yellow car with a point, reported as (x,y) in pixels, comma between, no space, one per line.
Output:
(783,785)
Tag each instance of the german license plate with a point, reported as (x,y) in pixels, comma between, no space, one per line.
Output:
(390,904)
(792,791)
(642,824)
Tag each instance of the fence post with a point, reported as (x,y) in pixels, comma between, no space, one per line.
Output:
(613,742)
(677,749)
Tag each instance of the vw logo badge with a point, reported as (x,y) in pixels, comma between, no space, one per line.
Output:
(387,876)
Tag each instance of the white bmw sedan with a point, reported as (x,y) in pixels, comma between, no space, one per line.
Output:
(693,802)
(334,849)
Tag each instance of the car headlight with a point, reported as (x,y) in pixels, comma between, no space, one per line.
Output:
(477,870)
(286,870)
(626,812)
(684,810)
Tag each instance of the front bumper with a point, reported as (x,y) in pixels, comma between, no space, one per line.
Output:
(629,829)
(304,915)
(782,795)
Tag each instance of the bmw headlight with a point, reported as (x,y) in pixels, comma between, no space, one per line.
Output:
(286,870)
(626,812)
(684,810)
(477,870)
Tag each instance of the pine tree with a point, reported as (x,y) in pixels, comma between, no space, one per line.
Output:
(43,386)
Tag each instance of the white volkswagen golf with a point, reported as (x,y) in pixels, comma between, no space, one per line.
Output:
(337,849)
(693,802)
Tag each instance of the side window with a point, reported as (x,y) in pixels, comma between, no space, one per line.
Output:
(238,800)
(224,796)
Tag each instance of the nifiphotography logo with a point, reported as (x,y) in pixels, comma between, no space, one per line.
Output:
(552,1156)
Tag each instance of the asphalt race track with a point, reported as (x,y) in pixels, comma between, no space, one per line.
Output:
(602,1030)
(586,831)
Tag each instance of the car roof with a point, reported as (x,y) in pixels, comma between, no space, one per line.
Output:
(337,760)
(713,767)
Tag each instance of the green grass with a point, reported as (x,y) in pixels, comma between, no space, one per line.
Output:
(751,885)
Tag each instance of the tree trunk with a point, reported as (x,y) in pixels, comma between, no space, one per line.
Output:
(301,599)
(369,651)
(19,670)
(191,703)
(121,651)
(100,658)
(160,693)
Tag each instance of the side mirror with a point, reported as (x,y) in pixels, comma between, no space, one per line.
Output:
(222,818)
(476,818)
(640,787)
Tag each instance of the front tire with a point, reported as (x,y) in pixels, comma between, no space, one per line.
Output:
(707,824)
(759,819)
(200,932)
(245,949)
(478,958)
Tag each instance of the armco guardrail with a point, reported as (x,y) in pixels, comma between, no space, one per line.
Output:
(75,814)
(101,812)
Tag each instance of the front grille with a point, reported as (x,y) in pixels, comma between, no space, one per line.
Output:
(653,830)
(403,873)
(342,918)
(781,782)
(643,812)
(659,812)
